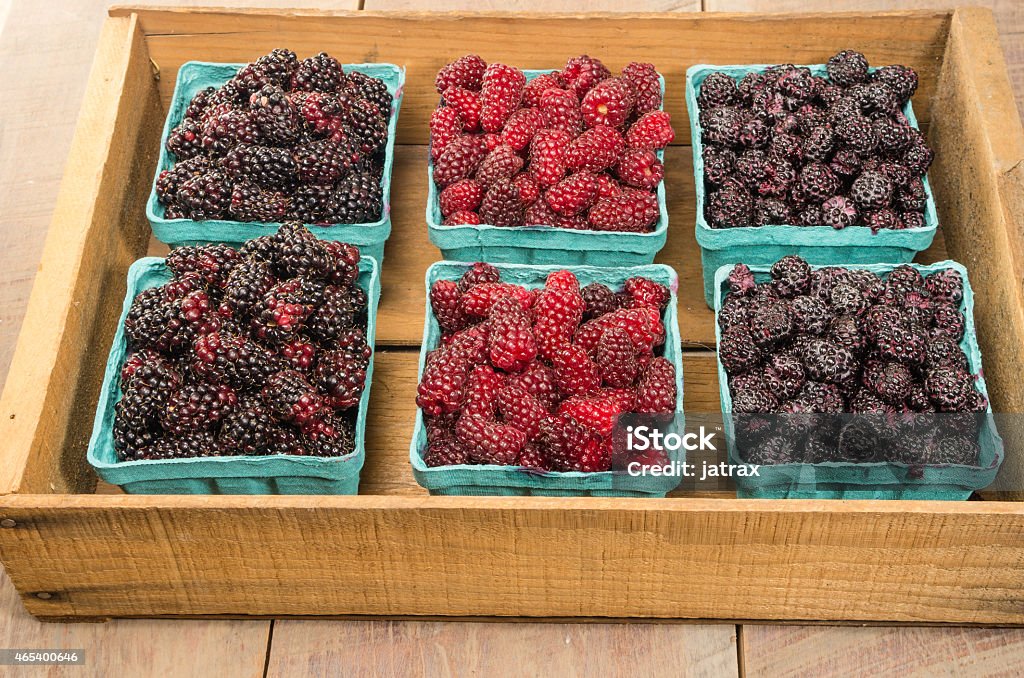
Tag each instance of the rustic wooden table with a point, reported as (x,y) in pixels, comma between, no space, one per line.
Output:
(46,49)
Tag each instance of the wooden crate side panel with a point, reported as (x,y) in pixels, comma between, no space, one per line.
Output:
(424,42)
(98,228)
(116,556)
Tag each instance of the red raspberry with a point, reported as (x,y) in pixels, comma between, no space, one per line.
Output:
(573,194)
(583,72)
(463,195)
(466,72)
(501,163)
(480,272)
(597,413)
(460,159)
(539,381)
(652,130)
(512,344)
(445,450)
(656,388)
(445,126)
(646,86)
(640,168)
(500,94)
(625,397)
(489,442)
(467,104)
(520,409)
(481,391)
(529,191)
(616,358)
(561,111)
(547,156)
(570,446)
(540,214)
(647,293)
(536,87)
(521,128)
(632,210)
(595,150)
(643,325)
(492,141)
(462,218)
(557,314)
(444,378)
(575,372)
(470,342)
(502,205)
(607,187)
(562,280)
(532,457)
(576,222)
(444,301)
(609,102)
(477,300)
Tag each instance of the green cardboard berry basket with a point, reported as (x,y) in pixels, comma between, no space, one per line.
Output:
(764,245)
(874,480)
(544,244)
(194,76)
(494,480)
(270,474)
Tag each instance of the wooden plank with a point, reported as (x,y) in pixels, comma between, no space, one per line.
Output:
(317,648)
(138,647)
(803,560)
(551,6)
(392,413)
(427,41)
(97,231)
(785,651)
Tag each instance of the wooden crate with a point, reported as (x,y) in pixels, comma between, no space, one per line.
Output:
(75,550)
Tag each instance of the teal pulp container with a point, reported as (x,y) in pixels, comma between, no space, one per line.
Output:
(875,480)
(271,474)
(764,245)
(493,480)
(544,244)
(194,76)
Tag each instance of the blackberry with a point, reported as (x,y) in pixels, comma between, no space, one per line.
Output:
(270,167)
(737,350)
(890,380)
(755,133)
(320,73)
(718,89)
(315,204)
(810,314)
(213,262)
(771,211)
(947,321)
(730,206)
(328,437)
(838,212)
(754,401)
(291,398)
(249,202)
(810,216)
(722,125)
(741,280)
(845,164)
(901,79)
(359,301)
(322,161)
(883,219)
(735,311)
(818,145)
(598,300)
(246,284)
(783,146)
(797,85)
(369,127)
(953,449)
(866,401)
(223,131)
(826,361)
(145,325)
(169,180)
(344,268)
(371,89)
(249,429)
(918,157)
(784,375)
(750,85)
(817,182)
(276,116)
(872,190)
(341,376)
(902,342)
(752,166)
(792,276)
(185,446)
(949,389)
(199,103)
(912,196)
(875,98)
(185,140)
(846,299)
(300,253)
(846,332)
(332,317)
(847,68)
(893,137)
(719,164)
(502,205)
(196,407)
(946,285)
(821,398)
(860,440)
(135,426)
(858,135)
(905,278)
(221,357)
(284,309)
(359,198)
(205,196)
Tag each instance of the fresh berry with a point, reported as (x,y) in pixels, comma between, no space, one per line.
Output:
(609,102)
(501,92)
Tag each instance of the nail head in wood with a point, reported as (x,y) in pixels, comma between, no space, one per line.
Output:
(7,522)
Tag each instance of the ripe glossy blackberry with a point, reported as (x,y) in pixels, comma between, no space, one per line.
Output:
(249,429)
(231,359)
(359,199)
(333,316)
(949,389)
(947,321)
(918,157)
(729,207)
(320,73)
(249,202)
(213,262)
(901,341)
(205,196)
(270,167)
(276,116)
(226,128)
(199,103)
(371,89)
(185,140)
(170,180)
(369,128)
(718,89)
(329,436)
(858,135)
(946,285)
(722,125)
(821,398)
(771,323)
(322,161)
(875,99)
(847,299)
(197,407)
(846,332)
(246,284)
(146,322)
(719,164)
(901,79)
(753,401)
(792,276)
(817,182)
(826,361)
(501,205)
(598,300)
(185,446)
(737,350)
(284,309)
(291,398)
(811,314)
(314,204)
(341,376)
(784,375)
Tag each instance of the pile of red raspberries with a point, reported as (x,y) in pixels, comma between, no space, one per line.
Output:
(574,148)
(538,377)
